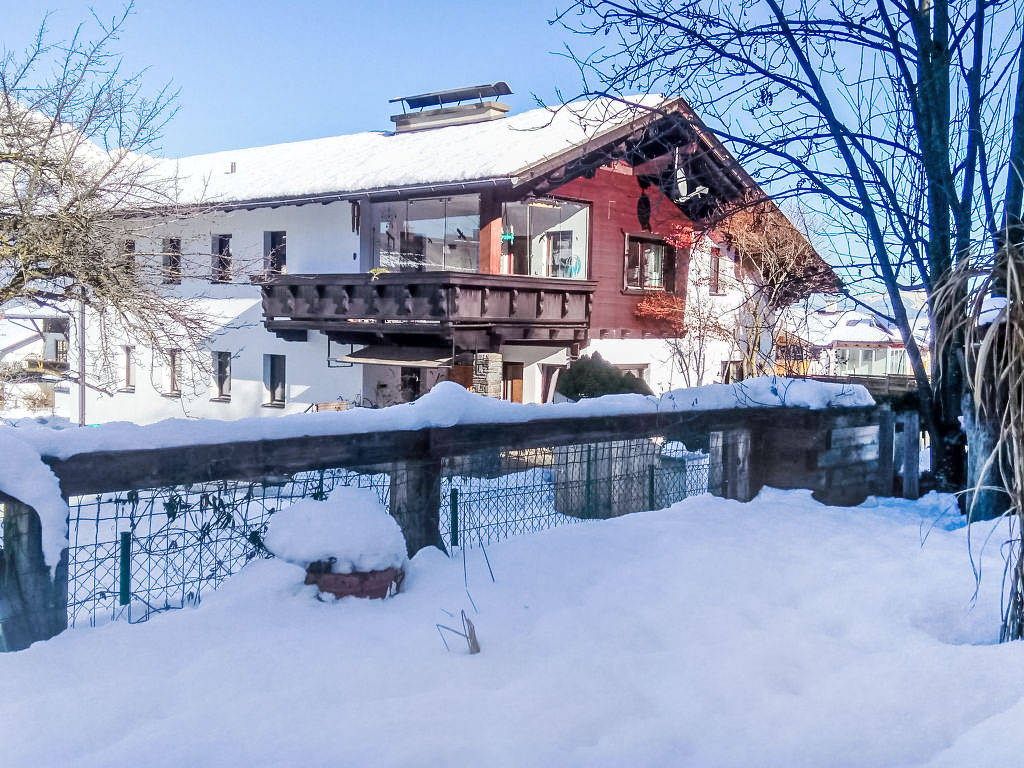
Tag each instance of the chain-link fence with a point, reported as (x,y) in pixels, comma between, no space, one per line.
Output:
(139,552)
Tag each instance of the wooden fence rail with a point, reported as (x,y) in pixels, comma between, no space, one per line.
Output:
(842,455)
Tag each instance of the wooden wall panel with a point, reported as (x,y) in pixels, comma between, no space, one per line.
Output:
(613,194)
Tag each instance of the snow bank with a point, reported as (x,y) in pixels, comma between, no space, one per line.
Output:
(445,405)
(25,477)
(351,526)
(776,633)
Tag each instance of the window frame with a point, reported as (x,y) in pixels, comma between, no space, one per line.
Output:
(220,259)
(275,257)
(668,256)
(173,373)
(221,376)
(270,383)
(171,267)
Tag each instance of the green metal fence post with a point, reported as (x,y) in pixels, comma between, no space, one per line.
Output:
(126,568)
(650,487)
(586,500)
(454,506)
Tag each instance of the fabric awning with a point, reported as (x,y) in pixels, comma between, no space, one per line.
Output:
(413,357)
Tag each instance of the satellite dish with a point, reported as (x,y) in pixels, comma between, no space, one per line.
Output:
(683,188)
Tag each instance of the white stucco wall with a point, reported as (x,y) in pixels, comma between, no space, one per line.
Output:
(319,239)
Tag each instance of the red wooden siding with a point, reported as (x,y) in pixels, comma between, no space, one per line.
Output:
(613,194)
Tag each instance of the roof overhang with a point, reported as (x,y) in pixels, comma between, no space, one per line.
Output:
(655,132)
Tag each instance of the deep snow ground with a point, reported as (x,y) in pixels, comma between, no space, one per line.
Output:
(775,633)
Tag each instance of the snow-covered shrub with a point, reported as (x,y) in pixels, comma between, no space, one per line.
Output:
(594,376)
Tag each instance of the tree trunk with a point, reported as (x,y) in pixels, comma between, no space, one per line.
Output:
(33,598)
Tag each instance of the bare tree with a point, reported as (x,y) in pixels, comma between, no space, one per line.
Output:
(737,299)
(901,123)
(77,189)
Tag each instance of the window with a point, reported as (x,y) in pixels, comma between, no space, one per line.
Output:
(60,351)
(274,380)
(545,238)
(173,374)
(275,259)
(560,260)
(410,384)
(222,376)
(428,234)
(128,375)
(636,370)
(732,371)
(128,257)
(172,260)
(715,283)
(648,265)
(221,259)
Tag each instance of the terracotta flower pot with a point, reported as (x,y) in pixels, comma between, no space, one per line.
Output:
(379,584)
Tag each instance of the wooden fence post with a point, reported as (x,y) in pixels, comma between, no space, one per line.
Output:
(33,599)
(416,503)
(886,436)
(729,467)
(911,455)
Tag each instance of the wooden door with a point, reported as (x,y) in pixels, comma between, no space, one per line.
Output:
(512,382)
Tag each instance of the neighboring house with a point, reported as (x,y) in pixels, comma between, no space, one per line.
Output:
(33,359)
(465,245)
(848,344)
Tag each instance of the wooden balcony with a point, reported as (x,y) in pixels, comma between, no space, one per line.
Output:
(473,311)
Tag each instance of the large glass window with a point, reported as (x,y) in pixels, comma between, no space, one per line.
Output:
(427,234)
(545,238)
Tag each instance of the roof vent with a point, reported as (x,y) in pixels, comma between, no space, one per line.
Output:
(434,111)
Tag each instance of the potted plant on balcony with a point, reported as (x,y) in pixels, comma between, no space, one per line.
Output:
(348,543)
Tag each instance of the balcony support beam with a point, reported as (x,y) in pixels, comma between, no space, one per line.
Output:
(490,233)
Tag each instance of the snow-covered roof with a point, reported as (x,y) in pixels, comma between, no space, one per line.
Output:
(16,334)
(859,327)
(496,150)
(828,328)
(21,324)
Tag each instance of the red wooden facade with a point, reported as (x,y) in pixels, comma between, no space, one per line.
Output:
(613,194)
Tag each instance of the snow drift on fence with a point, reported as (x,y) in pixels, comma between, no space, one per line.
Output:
(445,405)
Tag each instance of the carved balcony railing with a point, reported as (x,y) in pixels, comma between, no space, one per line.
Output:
(469,310)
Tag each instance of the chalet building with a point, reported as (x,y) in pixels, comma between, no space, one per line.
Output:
(466,244)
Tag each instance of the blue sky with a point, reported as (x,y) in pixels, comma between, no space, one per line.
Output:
(253,73)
